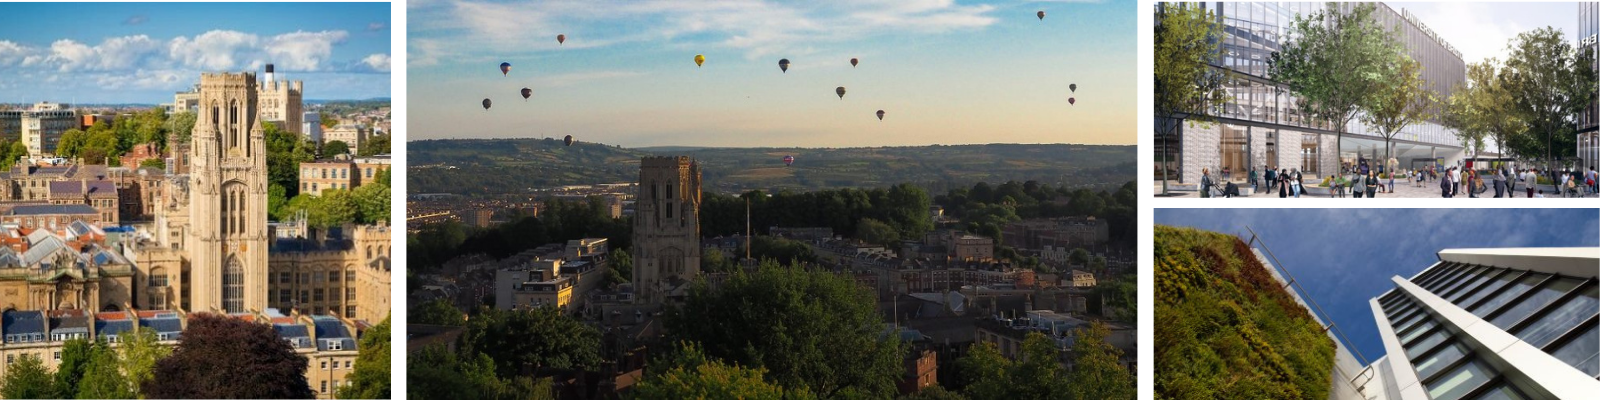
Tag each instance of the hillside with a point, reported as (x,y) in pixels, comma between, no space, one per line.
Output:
(490,166)
(1225,329)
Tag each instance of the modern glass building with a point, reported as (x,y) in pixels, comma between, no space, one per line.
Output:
(1589,121)
(1492,324)
(1260,125)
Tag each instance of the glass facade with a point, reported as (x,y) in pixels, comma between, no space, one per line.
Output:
(1555,313)
(1589,121)
(1252,33)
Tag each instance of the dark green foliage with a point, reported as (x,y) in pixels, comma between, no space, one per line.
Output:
(903,207)
(436,373)
(378,144)
(985,209)
(371,377)
(437,312)
(559,222)
(488,166)
(808,329)
(527,341)
(226,358)
(688,374)
(781,250)
(1225,328)
(335,148)
(27,379)
(75,356)
(285,152)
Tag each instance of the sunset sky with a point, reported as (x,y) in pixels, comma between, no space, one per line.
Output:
(946,72)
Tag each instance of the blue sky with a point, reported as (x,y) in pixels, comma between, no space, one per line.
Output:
(1344,257)
(144,52)
(944,71)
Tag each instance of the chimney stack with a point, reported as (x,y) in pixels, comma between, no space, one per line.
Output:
(270,78)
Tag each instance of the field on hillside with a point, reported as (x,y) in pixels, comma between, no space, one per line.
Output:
(498,166)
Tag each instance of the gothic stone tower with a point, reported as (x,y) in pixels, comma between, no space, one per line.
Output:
(666,226)
(228,198)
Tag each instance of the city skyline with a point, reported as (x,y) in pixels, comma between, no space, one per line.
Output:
(1342,267)
(142,53)
(943,72)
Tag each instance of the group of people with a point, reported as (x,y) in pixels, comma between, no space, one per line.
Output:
(1288,182)
(1364,181)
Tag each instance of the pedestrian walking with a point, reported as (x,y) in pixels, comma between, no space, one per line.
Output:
(1205,183)
(1499,183)
(1253,180)
(1455,181)
(1373,184)
(1531,179)
(1299,183)
(1283,183)
(1358,184)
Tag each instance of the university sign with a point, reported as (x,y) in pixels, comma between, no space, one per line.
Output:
(1414,21)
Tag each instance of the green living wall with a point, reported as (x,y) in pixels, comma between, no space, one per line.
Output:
(1225,329)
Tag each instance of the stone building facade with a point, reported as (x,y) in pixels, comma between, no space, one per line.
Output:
(666,230)
(281,102)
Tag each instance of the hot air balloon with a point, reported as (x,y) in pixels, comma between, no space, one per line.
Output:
(784,65)
(567,140)
(880,115)
(853,62)
(561,39)
(526,93)
(486,104)
(1072,100)
(1041,14)
(788,161)
(505,68)
(1074,87)
(840,91)
(699,59)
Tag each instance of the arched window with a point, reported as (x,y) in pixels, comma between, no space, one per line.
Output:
(233,286)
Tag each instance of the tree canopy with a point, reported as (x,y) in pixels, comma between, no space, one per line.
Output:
(220,357)
(790,321)
(370,380)
(528,341)
(689,374)
(27,379)
(1551,80)
(1336,62)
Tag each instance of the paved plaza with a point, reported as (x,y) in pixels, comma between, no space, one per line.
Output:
(1402,189)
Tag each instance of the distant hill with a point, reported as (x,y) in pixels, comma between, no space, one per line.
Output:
(492,166)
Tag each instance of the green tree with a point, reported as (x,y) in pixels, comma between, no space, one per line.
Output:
(285,152)
(876,232)
(1078,256)
(277,203)
(621,268)
(987,373)
(934,393)
(791,321)
(100,147)
(183,125)
(328,120)
(71,144)
(436,373)
(1551,81)
(691,375)
(370,380)
(156,163)
(27,379)
(1187,40)
(18,150)
(1404,100)
(378,144)
(372,202)
(1470,107)
(1097,373)
(102,378)
(334,148)
(437,312)
(1336,62)
(531,340)
(333,208)
(137,356)
(75,356)
(712,260)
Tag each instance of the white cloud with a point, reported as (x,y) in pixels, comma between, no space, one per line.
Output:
(302,51)
(377,26)
(755,28)
(214,50)
(378,62)
(12,53)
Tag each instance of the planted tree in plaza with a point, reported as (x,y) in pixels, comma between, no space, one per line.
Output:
(1550,81)
(1477,109)
(1404,101)
(1337,62)
(1187,40)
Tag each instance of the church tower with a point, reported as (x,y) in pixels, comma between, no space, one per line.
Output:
(666,227)
(228,198)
